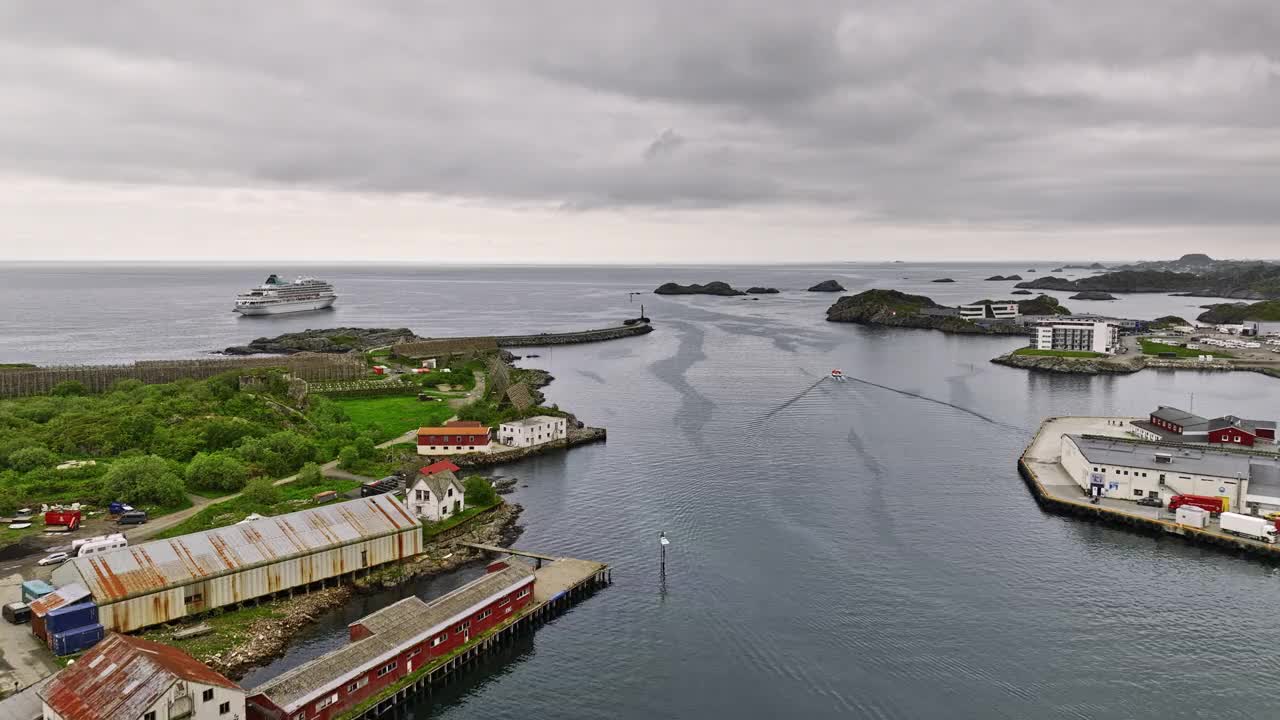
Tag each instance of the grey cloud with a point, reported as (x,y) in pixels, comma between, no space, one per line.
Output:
(1138,111)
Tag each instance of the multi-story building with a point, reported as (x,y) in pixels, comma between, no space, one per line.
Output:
(437,493)
(990,311)
(1097,336)
(532,431)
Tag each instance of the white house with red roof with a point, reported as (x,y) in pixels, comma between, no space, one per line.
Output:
(437,493)
(128,678)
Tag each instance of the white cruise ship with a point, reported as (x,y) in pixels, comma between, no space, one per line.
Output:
(276,296)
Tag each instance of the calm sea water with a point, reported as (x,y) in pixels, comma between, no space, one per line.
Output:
(863,549)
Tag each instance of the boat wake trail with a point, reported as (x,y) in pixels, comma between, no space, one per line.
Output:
(944,403)
(793,400)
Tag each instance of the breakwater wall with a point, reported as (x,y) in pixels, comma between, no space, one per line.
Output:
(573,338)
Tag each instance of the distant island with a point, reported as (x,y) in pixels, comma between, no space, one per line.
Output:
(1095,266)
(1003,278)
(827,286)
(1092,295)
(944,280)
(894,308)
(1195,275)
(712,288)
(757,290)
(1239,312)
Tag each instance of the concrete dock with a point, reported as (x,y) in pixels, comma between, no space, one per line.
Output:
(1041,469)
(560,583)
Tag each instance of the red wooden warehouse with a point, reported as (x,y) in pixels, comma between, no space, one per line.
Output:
(453,439)
(391,644)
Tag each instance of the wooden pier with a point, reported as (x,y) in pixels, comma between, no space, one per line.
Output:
(560,584)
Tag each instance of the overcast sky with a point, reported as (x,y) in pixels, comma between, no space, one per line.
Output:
(639,130)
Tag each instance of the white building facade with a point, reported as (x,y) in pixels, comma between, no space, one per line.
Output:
(992,311)
(1078,336)
(436,496)
(533,431)
(1129,470)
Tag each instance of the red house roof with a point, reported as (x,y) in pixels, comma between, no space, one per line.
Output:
(463,423)
(440,466)
(121,677)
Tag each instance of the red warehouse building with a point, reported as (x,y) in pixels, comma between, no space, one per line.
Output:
(453,439)
(391,644)
(1232,430)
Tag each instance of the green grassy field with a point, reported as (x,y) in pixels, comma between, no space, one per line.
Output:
(292,497)
(431,529)
(391,415)
(1057,353)
(1151,347)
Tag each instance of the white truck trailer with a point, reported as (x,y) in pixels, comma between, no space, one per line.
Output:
(1254,528)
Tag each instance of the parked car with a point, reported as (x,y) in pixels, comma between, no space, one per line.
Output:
(54,559)
(133,517)
(1150,502)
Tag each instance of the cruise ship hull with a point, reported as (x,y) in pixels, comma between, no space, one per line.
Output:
(287,306)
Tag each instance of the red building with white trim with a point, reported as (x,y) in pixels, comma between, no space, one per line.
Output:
(453,439)
(391,644)
(1231,430)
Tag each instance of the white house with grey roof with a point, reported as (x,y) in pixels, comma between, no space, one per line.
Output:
(533,431)
(1130,470)
(437,493)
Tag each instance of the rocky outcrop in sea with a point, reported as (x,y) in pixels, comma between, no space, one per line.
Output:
(332,340)
(827,286)
(712,288)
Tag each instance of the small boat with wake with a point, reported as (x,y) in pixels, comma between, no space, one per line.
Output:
(837,374)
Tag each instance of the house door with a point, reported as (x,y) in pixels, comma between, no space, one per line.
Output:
(457,505)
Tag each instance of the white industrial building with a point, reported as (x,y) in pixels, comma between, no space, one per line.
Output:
(128,678)
(1129,470)
(533,431)
(990,311)
(163,580)
(1098,336)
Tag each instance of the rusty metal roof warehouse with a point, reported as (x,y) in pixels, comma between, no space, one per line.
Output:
(160,564)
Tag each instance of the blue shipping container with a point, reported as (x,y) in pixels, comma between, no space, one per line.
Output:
(77,640)
(32,589)
(71,616)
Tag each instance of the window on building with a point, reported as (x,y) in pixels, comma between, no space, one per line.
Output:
(149,715)
(415,652)
(439,639)
(1095,469)
(1137,493)
(463,627)
(483,614)
(225,707)
(321,704)
(191,597)
(207,695)
(450,492)
(505,600)
(387,669)
(354,686)
(523,593)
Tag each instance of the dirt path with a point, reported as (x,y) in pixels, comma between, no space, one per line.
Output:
(475,394)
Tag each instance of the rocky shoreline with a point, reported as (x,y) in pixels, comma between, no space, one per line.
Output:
(1068,365)
(892,308)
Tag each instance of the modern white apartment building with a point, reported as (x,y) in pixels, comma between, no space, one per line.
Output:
(992,311)
(1078,335)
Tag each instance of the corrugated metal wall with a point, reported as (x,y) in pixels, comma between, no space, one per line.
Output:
(166,605)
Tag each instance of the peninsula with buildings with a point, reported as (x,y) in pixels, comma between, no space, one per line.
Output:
(1211,480)
(291,482)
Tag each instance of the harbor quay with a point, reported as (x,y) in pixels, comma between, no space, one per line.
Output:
(1055,489)
(400,654)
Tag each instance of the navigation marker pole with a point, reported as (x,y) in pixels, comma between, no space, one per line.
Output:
(663,542)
